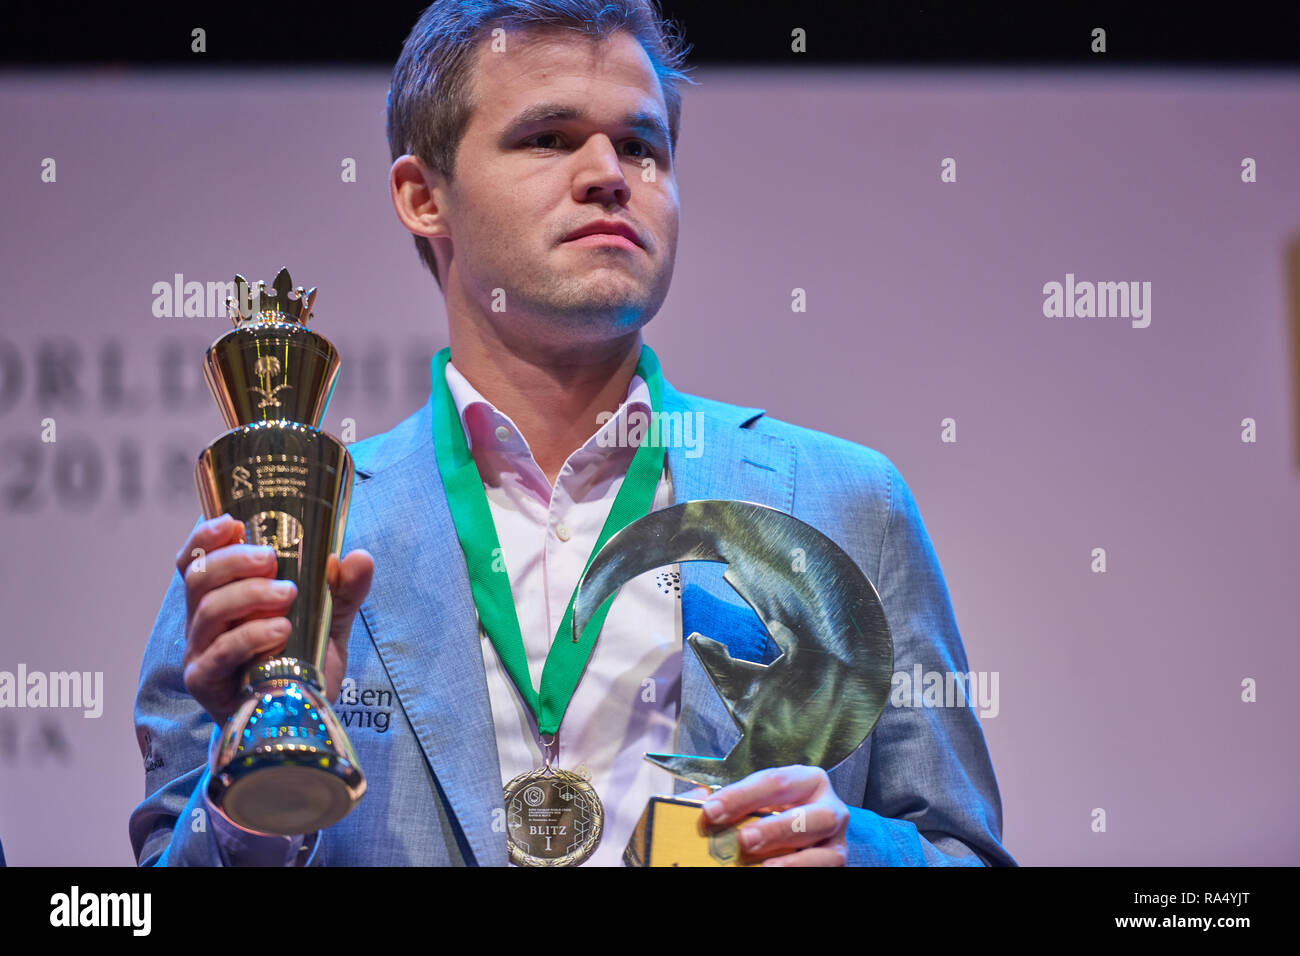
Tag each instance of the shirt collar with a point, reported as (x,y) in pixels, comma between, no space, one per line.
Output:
(487,429)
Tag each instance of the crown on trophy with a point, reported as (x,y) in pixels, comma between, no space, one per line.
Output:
(281,303)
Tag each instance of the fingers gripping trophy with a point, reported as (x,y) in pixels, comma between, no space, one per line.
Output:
(283,764)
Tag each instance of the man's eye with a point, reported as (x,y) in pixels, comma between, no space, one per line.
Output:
(543,141)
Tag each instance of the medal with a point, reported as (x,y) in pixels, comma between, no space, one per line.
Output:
(554,817)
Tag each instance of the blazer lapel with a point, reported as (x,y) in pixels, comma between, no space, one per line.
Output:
(733,462)
(422,618)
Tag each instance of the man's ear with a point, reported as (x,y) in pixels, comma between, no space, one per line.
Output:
(418,196)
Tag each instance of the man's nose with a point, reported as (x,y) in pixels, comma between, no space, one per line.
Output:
(600,172)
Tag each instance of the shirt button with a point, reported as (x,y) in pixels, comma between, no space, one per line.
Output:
(562,533)
(503,433)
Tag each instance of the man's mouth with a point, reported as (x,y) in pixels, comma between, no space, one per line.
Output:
(606,232)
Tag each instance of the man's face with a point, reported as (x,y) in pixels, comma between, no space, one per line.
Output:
(522,184)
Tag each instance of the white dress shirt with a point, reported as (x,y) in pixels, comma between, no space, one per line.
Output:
(626,704)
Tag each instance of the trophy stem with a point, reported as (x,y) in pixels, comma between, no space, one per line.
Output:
(282,669)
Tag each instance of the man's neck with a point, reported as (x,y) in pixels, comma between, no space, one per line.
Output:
(553,397)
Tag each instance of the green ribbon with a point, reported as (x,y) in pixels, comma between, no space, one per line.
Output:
(468,503)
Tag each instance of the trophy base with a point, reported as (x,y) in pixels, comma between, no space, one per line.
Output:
(287,800)
(283,765)
(672,832)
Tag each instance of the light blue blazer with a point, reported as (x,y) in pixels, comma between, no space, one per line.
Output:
(921,789)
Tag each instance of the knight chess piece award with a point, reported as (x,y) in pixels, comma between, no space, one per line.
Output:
(283,763)
(813,705)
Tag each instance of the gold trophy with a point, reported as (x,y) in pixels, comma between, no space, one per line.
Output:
(814,705)
(283,764)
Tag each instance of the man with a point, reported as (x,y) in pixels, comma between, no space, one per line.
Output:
(534,165)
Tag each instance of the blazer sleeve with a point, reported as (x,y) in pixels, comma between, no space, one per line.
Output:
(931,796)
(173,826)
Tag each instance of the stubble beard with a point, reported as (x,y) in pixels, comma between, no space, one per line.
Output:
(591,305)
